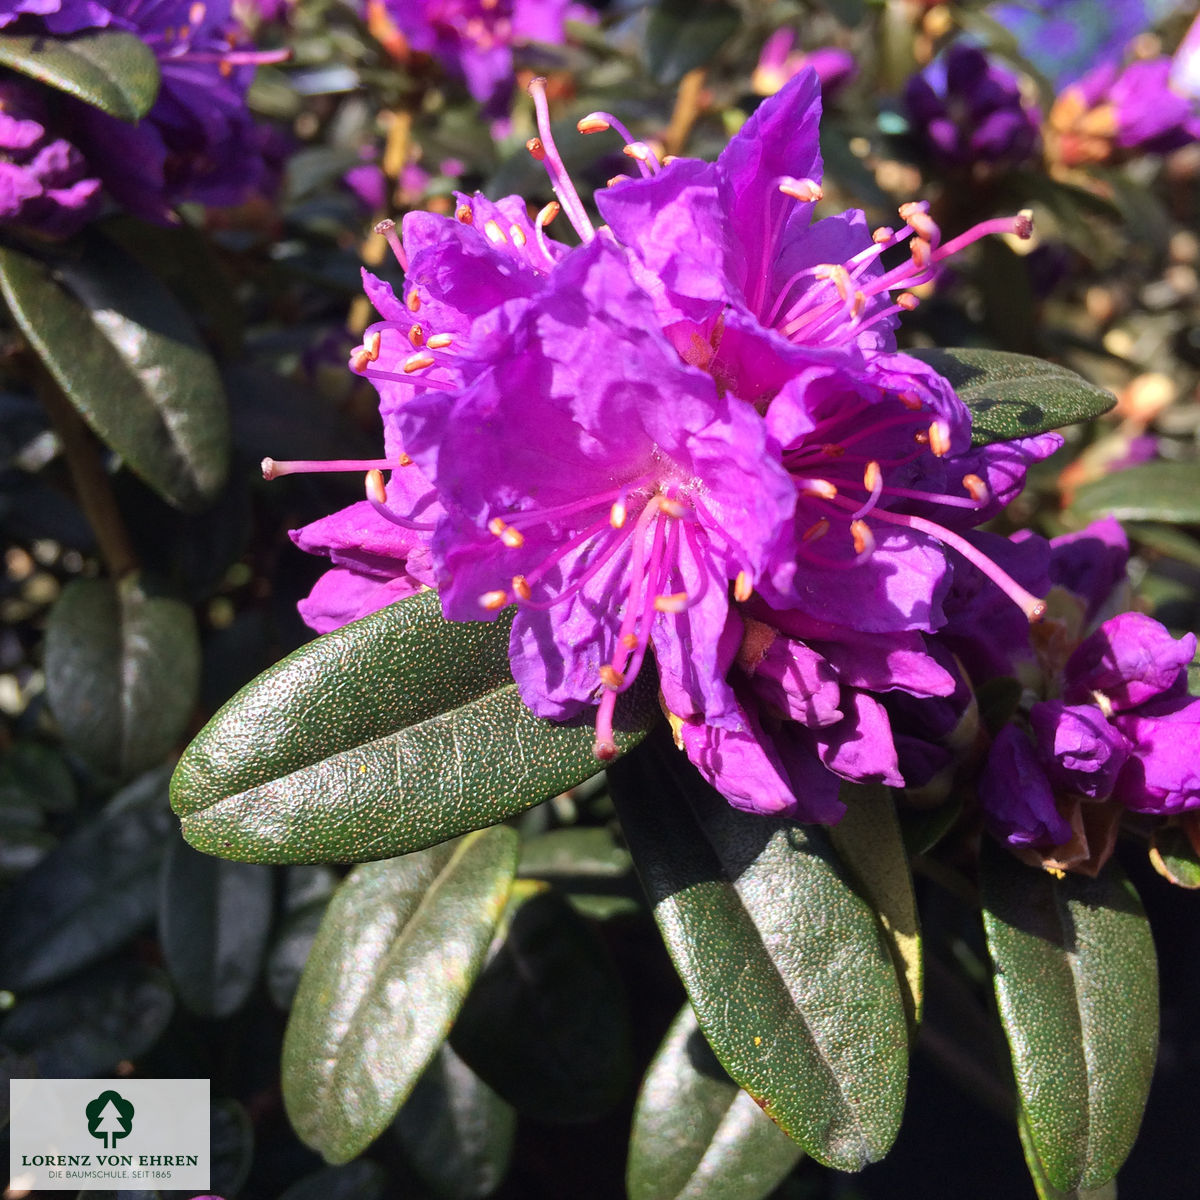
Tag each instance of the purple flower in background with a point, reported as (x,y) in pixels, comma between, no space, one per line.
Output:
(45,183)
(967,110)
(779,62)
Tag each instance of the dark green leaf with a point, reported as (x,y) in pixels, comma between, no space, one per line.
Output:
(231,1139)
(784,961)
(1076,983)
(1174,856)
(34,779)
(456,1131)
(91,894)
(1014,396)
(401,943)
(109,69)
(1037,1173)
(122,672)
(684,34)
(867,840)
(546,1024)
(388,735)
(128,357)
(696,1134)
(1156,491)
(213,924)
(285,962)
(87,1026)
(574,853)
(363,1180)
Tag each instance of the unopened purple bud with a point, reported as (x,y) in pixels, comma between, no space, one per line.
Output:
(1018,802)
(1080,751)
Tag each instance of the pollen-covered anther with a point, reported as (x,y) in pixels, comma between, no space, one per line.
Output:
(616,179)
(833,450)
(818,529)
(637,150)
(907,301)
(924,225)
(618,514)
(629,641)
(804,190)
(374,487)
(494,233)
(548,213)
(521,588)
(858,305)
(922,253)
(743,587)
(670,507)
(611,677)
(673,602)
(939,438)
(367,353)
(819,489)
(493,601)
(440,341)
(975,488)
(872,477)
(910,400)
(464,214)
(413,301)
(417,362)
(592,123)
(883,234)
(536,149)
(416,336)
(863,538)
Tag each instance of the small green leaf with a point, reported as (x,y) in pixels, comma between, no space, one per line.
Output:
(684,34)
(91,894)
(1014,396)
(388,735)
(868,841)
(107,68)
(1174,856)
(546,1024)
(214,918)
(784,961)
(696,1134)
(456,1131)
(122,673)
(1076,984)
(128,357)
(1154,491)
(401,944)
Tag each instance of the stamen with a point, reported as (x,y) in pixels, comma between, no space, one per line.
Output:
(413,301)
(676,602)
(416,335)
(939,438)
(610,676)
(618,514)
(368,352)
(976,488)
(670,507)
(417,362)
(805,190)
(464,214)
(375,487)
(629,641)
(493,601)
(864,539)
(743,587)
(520,585)
(818,529)
(883,234)
(638,150)
(387,228)
(544,217)
(536,149)
(907,301)
(592,123)
(273,469)
(494,233)
(560,181)
(377,498)
(820,489)
(440,341)
(517,234)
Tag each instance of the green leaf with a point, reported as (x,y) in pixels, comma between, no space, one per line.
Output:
(456,1131)
(106,68)
(546,1024)
(214,919)
(1175,857)
(128,357)
(1037,1172)
(400,945)
(122,673)
(1155,491)
(783,960)
(363,1180)
(388,735)
(1076,984)
(91,894)
(696,1134)
(231,1142)
(684,34)
(868,841)
(1014,396)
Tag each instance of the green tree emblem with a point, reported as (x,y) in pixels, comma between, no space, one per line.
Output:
(109,1117)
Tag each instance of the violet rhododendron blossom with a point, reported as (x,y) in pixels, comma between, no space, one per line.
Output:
(688,437)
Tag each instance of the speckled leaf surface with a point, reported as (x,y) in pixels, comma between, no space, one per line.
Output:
(386,736)
(397,951)
(1076,984)
(784,961)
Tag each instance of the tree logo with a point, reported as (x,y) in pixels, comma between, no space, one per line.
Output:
(109,1117)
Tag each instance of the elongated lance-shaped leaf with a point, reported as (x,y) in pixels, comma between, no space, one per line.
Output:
(107,68)
(784,961)
(388,735)
(1037,1173)
(1013,395)
(696,1134)
(400,945)
(1076,983)
(127,356)
(1154,491)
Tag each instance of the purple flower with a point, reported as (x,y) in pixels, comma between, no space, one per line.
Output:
(45,184)
(968,110)
(1016,796)
(779,61)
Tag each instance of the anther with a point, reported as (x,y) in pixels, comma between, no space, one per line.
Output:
(368,352)
(975,488)
(440,341)
(922,253)
(547,214)
(387,228)
(417,362)
(883,234)
(416,335)
(670,507)
(859,304)
(872,477)
(616,179)
(924,225)
(494,233)
(618,514)
(493,601)
(520,585)
(805,190)
(536,149)
(910,400)
(818,529)
(939,438)
(637,150)
(821,489)
(413,301)
(374,487)
(907,301)
(629,641)
(676,602)
(611,677)
(464,214)
(833,450)
(517,234)
(864,539)
(743,587)
(592,123)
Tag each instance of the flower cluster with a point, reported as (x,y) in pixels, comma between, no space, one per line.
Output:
(199,142)
(690,436)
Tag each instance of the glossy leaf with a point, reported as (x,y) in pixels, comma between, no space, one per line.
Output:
(388,735)
(868,841)
(456,1131)
(546,1024)
(1174,855)
(696,1134)
(1013,395)
(784,961)
(400,945)
(122,672)
(107,68)
(214,919)
(128,357)
(1075,979)
(683,35)
(1037,1173)
(1155,491)
(91,894)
